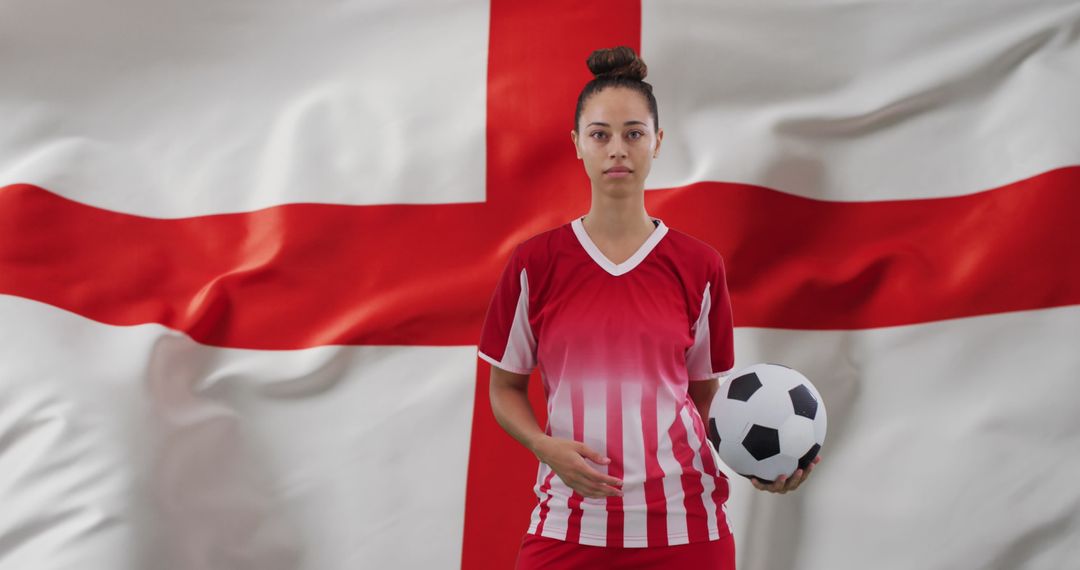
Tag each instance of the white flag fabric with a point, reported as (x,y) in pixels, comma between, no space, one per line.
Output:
(245,250)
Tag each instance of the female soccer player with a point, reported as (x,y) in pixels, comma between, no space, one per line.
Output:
(630,324)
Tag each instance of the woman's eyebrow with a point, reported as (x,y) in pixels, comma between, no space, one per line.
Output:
(624,124)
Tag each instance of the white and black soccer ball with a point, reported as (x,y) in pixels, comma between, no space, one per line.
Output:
(767,420)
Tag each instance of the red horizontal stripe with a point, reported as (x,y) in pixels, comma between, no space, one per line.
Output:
(799,263)
(305,275)
(287,277)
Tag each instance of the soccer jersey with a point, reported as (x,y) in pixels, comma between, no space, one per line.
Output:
(616,345)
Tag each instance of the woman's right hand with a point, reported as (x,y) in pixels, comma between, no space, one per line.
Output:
(567,458)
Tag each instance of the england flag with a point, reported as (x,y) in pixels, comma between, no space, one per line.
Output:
(246,249)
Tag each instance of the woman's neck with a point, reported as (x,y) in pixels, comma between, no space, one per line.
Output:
(616,220)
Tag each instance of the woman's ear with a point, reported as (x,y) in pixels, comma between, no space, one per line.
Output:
(659,137)
(573,137)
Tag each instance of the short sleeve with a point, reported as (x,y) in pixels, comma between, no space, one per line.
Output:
(713,353)
(506,338)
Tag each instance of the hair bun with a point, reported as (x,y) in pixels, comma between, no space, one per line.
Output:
(619,61)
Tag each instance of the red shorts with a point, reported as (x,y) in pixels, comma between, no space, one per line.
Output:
(541,552)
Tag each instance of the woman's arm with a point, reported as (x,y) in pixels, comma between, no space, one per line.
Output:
(509,393)
(702,392)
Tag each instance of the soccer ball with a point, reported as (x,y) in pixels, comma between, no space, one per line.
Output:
(767,420)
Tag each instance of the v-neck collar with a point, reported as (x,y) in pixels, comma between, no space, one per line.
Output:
(631,262)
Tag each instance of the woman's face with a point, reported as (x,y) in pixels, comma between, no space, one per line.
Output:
(616,131)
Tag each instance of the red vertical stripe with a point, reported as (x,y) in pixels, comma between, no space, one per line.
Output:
(544,508)
(577,406)
(720,492)
(655,499)
(697,524)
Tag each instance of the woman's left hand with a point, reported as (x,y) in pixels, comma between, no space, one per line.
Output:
(783,484)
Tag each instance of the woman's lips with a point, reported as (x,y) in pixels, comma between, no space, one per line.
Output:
(618,173)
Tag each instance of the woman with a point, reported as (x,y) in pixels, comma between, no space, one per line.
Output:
(630,324)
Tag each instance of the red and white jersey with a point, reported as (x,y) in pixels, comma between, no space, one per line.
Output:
(617,345)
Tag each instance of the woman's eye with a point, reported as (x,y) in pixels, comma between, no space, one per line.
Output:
(636,134)
(601,133)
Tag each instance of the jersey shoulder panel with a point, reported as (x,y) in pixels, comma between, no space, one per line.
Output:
(691,244)
(694,254)
(537,250)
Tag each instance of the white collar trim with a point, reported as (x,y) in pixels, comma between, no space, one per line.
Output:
(632,262)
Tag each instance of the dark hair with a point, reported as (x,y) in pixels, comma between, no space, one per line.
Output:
(617,67)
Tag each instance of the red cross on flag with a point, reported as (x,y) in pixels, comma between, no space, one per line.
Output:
(246,248)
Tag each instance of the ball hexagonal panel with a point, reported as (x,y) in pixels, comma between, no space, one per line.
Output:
(768,470)
(736,457)
(796,436)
